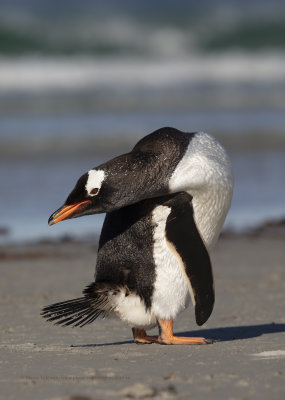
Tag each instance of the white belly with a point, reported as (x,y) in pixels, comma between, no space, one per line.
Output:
(171,291)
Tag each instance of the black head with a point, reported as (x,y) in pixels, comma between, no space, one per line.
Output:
(143,173)
(112,185)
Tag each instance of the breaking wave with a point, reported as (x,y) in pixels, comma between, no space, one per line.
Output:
(32,74)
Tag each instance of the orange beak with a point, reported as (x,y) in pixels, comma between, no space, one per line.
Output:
(65,212)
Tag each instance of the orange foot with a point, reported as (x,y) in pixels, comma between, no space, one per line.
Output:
(140,337)
(166,335)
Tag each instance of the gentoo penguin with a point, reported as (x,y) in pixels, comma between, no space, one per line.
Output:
(166,202)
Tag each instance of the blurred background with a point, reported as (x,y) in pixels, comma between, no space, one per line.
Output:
(82,81)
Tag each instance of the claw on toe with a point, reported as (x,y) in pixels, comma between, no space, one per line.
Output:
(209,341)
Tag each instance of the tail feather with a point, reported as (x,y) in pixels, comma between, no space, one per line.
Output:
(81,311)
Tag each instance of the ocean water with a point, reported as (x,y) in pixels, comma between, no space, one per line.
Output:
(61,116)
(36,183)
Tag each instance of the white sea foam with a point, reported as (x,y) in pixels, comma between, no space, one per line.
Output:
(32,74)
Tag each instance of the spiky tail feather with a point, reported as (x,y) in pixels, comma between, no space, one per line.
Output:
(83,310)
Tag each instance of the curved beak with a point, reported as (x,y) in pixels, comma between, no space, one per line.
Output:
(66,212)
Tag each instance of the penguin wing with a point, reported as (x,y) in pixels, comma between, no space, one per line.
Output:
(184,238)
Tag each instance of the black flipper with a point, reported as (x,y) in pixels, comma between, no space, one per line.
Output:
(184,238)
(81,311)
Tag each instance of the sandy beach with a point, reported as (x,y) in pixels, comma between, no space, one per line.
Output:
(82,82)
(43,361)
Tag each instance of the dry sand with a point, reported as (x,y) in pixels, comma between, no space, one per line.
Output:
(42,361)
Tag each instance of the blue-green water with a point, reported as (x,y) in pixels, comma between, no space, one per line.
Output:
(134,28)
(36,178)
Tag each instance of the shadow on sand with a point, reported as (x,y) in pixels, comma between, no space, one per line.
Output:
(236,332)
(218,334)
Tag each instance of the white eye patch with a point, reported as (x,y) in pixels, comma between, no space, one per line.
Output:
(94,181)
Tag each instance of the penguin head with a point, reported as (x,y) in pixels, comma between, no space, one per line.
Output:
(117,183)
(142,173)
(82,199)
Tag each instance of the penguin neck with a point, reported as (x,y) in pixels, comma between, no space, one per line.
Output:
(205,173)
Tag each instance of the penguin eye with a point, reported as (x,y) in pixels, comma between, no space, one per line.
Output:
(94,191)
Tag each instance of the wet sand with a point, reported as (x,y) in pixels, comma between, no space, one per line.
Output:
(100,361)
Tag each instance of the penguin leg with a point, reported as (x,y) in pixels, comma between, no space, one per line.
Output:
(141,337)
(166,335)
